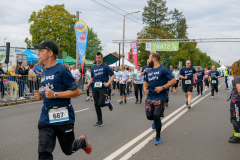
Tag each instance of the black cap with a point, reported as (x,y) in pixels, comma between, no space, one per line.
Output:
(49,45)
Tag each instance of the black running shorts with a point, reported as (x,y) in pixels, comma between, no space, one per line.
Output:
(187,87)
(206,83)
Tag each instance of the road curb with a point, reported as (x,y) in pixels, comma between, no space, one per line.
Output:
(17,102)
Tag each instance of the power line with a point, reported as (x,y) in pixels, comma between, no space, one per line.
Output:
(121,9)
(100,16)
(115,11)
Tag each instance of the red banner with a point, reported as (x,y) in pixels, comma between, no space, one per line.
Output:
(134,48)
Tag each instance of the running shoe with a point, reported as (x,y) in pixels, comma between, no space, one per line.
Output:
(189,106)
(98,124)
(88,148)
(140,101)
(186,102)
(110,106)
(212,97)
(157,141)
(234,140)
(121,102)
(136,102)
(92,99)
(4,100)
(153,125)
(125,101)
(166,104)
(87,99)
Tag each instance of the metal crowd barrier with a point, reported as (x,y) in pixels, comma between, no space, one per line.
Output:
(18,88)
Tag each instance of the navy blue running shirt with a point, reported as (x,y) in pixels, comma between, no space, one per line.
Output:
(200,75)
(157,77)
(101,73)
(212,75)
(189,73)
(145,67)
(57,78)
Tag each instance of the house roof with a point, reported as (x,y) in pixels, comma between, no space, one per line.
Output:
(113,54)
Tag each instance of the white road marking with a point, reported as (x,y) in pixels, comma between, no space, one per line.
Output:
(145,142)
(81,110)
(135,140)
(128,98)
(142,144)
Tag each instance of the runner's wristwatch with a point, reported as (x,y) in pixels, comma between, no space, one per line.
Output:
(56,95)
(163,87)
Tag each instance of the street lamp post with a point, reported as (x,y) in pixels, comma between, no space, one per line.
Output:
(124,35)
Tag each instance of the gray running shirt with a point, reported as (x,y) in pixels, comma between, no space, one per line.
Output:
(235,95)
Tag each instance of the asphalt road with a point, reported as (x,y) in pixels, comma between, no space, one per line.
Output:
(199,133)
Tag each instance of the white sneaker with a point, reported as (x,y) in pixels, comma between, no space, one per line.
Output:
(212,97)
(4,100)
(22,98)
(205,90)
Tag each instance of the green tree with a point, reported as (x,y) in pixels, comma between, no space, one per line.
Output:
(93,45)
(187,52)
(28,42)
(179,27)
(154,33)
(56,24)
(155,14)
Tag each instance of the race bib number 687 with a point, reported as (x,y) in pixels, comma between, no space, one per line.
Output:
(58,115)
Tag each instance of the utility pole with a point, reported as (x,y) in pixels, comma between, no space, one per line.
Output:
(77,55)
(124,34)
(119,53)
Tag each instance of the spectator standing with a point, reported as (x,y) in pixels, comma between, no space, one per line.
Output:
(75,73)
(2,74)
(22,81)
(12,82)
(38,71)
(227,74)
(67,65)
(82,80)
(32,79)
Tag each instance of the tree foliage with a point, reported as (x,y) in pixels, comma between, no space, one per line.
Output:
(155,15)
(57,24)
(93,46)
(162,24)
(28,42)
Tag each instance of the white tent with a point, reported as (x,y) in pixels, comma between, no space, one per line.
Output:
(222,68)
(126,62)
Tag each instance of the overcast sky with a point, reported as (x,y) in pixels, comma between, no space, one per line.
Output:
(205,19)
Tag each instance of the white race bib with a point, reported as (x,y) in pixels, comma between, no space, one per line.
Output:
(214,81)
(58,115)
(98,85)
(206,76)
(121,82)
(187,81)
(115,80)
(137,81)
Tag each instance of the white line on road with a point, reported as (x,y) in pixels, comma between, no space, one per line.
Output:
(81,110)
(145,142)
(127,98)
(135,140)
